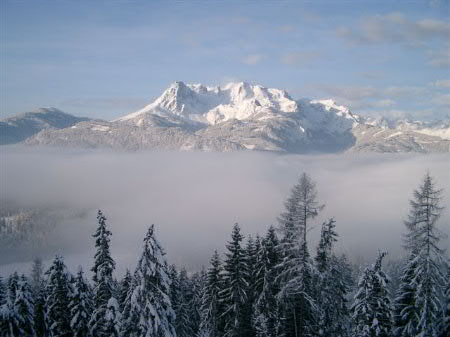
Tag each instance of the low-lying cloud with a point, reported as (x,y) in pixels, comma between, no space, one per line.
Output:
(195,198)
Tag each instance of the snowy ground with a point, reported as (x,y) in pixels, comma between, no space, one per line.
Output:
(195,198)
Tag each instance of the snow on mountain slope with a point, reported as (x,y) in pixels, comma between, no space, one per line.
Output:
(17,128)
(212,105)
(439,129)
(371,138)
(241,116)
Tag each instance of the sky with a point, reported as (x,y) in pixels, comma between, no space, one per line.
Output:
(104,59)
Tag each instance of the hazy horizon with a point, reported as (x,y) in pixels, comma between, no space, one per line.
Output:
(195,198)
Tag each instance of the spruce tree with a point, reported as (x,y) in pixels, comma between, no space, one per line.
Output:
(124,287)
(405,311)
(212,308)
(175,294)
(113,318)
(3,315)
(81,306)
(266,316)
(251,258)
(333,285)
(234,294)
(418,300)
(103,281)
(372,315)
(148,310)
(58,293)
(17,309)
(444,324)
(10,320)
(38,289)
(24,306)
(300,312)
(184,323)
(131,312)
(198,281)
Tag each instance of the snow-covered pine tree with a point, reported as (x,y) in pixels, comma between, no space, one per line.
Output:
(328,237)
(183,310)
(333,285)
(296,268)
(10,322)
(212,308)
(234,294)
(81,306)
(124,287)
(198,281)
(17,309)
(266,312)
(38,289)
(405,311)
(58,293)
(175,293)
(131,312)
(371,309)
(2,291)
(444,324)
(113,318)
(418,300)
(251,257)
(103,281)
(2,302)
(148,311)
(24,307)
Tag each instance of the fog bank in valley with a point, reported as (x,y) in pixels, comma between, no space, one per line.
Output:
(195,198)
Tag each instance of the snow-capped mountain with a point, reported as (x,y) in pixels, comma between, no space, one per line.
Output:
(213,105)
(18,128)
(241,116)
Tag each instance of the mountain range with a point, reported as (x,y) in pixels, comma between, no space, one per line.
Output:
(237,116)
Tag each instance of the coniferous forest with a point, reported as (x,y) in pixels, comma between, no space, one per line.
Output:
(270,285)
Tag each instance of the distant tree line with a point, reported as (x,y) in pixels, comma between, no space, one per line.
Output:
(267,286)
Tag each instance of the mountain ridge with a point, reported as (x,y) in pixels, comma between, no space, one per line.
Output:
(241,116)
(17,128)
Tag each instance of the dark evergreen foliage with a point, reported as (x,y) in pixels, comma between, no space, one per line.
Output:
(58,291)
(234,293)
(38,289)
(266,315)
(103,281)
(81,306)
(299,309)
(148,310)
(372,313)
(212,308)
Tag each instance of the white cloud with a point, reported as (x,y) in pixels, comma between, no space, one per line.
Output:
(442,84)
(253,59)
(383,103)
(443,99)
(403,91)
(359,92)
(286,28)
(396,28)
(440,58)
(299,58)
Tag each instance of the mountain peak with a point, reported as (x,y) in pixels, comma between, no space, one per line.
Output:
(211,105)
